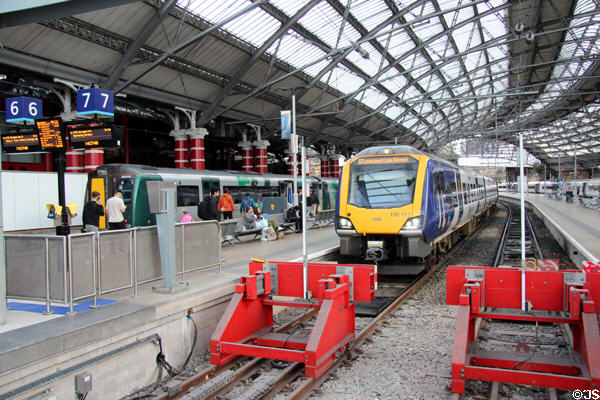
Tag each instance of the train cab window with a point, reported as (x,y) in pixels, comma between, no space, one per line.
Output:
(187,196)
(382,182)
(126,187)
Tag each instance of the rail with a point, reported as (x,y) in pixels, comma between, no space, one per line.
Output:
(63,270)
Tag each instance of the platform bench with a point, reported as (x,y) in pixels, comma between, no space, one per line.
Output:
(323,218)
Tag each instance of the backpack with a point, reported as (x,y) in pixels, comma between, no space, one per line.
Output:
(203,210)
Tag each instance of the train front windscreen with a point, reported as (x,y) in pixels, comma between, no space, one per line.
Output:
(382,182)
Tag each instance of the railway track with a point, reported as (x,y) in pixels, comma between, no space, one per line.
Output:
(253,379)
(509,248)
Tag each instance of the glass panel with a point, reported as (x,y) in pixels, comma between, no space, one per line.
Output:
(382,182)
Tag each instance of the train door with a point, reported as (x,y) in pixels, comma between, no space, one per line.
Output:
(98,184)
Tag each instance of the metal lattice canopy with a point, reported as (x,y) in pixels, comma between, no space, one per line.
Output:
(425,72)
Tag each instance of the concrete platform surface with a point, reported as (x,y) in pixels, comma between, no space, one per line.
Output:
(581,224)
(44,351)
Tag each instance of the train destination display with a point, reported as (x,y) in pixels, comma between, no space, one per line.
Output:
(21,142)
(90,136)
(50,133)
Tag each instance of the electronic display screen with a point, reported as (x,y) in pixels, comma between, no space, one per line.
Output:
(50,133)
(90,136)
(21,142)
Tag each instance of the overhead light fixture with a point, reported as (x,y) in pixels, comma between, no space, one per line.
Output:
(2,77)
(363,53)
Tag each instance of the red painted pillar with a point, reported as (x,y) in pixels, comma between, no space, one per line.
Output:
(247,158)
(260,156)
(48,162)
(181,148)
(290,165)
(74,160)
(324,166)
(197,160)
(93,158)
(334,166)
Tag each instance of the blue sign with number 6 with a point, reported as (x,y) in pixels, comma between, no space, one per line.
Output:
(95,101)
(23,109)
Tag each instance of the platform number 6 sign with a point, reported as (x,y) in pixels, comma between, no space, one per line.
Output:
(23,109)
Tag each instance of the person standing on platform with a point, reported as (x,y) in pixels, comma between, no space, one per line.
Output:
(92,211)
(212,207)
(313,201)
(247,202)
(115,207)
(226,204)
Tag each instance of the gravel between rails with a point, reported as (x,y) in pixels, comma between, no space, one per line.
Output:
(410,357)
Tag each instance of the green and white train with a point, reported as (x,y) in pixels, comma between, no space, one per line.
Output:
(193,185)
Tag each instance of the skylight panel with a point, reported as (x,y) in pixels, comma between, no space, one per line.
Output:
(345,81)
(298,52)
(394,111)
(425,30)
(325,23)
(255,26)
(370,13)
(373,98)
(400,44)
(440,49)
(466,37)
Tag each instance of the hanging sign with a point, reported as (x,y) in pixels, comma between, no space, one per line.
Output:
(23,109)
(95,101)
(286,124)
(50,133)
(90,136)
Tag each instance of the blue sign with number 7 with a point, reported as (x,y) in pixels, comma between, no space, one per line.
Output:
(95,101)
(23,109)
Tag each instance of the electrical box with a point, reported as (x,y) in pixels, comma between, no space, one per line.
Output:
(83,383)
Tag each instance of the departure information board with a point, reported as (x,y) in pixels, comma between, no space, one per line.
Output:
(90,136)
(21,142)
(50,133)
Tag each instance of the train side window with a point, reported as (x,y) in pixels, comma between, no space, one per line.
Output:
(126,187)
(187,196)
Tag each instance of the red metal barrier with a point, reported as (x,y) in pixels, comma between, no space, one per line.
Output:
(568,297)
(246,327)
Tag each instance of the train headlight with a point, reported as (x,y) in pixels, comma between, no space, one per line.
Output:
(413,223)
(344,223)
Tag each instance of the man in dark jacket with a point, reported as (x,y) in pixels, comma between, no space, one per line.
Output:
(292,216)
(91,213)
(212,203)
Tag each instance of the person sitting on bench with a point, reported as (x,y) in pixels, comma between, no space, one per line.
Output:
(292,216)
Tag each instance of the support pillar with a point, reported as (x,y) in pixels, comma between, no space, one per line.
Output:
(93,159)
(334,166)
(74,160)
(247,158)
(181,148)
(48,162)
(324,166)
(260,156)
(290,164)
(196,153)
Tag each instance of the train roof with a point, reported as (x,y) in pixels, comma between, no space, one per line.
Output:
(384,150)
(138,169)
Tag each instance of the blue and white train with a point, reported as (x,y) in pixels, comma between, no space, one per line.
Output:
(398,203)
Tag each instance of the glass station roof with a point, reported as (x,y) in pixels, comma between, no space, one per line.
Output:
(442,69)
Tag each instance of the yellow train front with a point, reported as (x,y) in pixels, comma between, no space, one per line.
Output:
(398,203)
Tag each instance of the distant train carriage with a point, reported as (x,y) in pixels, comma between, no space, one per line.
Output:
(193,185)
(396,202)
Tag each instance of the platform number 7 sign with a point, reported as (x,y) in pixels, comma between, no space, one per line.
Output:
(95,101)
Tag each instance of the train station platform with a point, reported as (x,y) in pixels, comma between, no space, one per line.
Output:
(117,344)
(576,228)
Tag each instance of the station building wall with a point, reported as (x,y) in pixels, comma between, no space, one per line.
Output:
(25,195)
